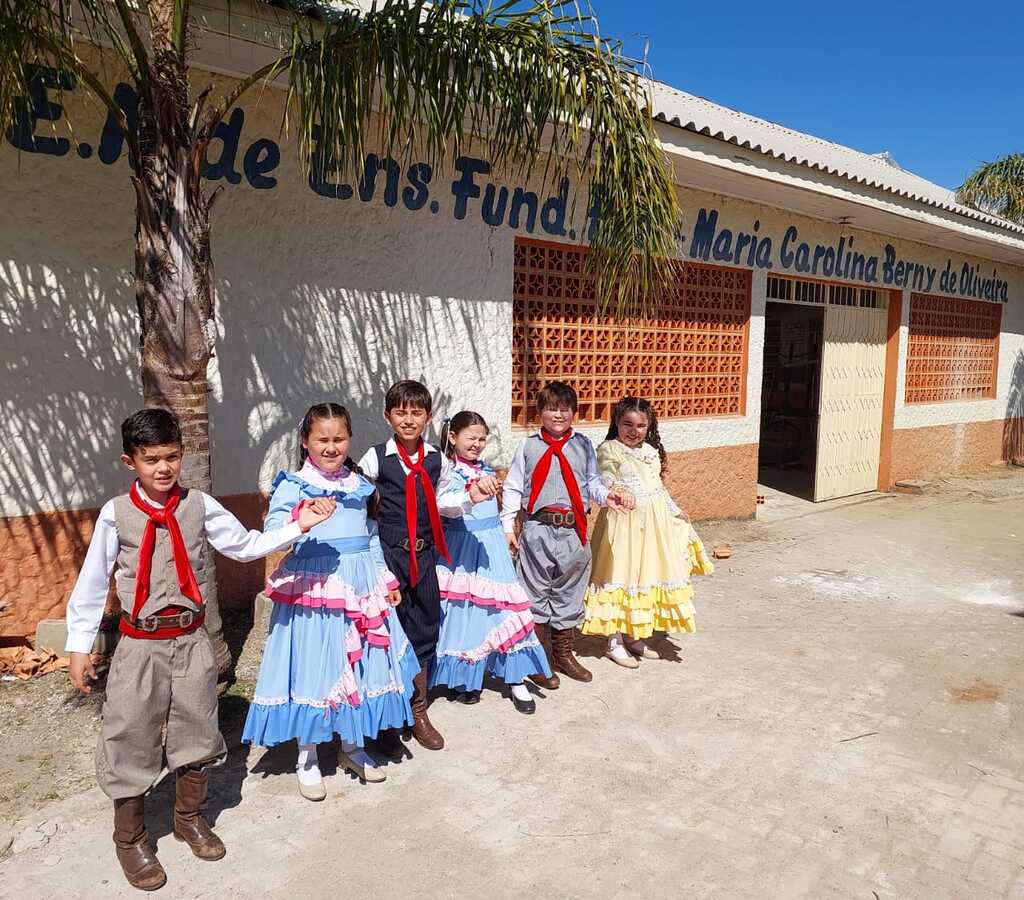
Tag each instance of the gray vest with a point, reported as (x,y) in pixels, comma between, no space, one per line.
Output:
(554,493)
(163,579)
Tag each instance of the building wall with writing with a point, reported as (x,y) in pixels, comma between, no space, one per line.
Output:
(327,291)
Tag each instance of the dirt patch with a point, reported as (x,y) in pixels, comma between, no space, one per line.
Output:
(979,692)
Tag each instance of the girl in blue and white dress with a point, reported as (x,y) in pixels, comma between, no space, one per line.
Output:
(486,624)
(336,659)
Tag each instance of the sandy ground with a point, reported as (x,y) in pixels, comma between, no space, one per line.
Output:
(847,722)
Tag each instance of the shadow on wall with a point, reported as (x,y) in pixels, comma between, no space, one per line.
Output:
(69,366)
(1013,424)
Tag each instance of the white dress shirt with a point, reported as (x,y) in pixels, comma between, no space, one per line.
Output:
(224,532)
(515,491)
(452,497)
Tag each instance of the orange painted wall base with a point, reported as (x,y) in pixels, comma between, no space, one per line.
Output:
(717,483)
(954,449)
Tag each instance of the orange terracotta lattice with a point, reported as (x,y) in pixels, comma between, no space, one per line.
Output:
(952,350)
(688,357)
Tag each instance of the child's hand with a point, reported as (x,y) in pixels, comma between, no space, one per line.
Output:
(682,514)
(82,672)
(477,493)
(313,513)
(395,597)
(513,543)
(621,501)
(489,485)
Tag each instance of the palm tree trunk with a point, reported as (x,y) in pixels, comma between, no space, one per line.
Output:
(174,290)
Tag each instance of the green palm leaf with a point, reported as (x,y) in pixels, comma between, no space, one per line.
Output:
(997,188)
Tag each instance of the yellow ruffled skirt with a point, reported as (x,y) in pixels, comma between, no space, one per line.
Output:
(640,582)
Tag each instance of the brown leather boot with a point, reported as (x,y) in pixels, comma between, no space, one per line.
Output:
(137,858)
(542,681)
(562,640)
(425,733)
(189,825)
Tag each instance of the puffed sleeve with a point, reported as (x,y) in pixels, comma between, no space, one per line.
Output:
(283,501)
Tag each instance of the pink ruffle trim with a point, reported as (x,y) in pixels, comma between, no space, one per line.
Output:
(368,612)
(481,591)
(514,630)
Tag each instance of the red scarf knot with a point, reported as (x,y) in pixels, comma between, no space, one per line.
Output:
(157,515)
(540,475)
(416,470)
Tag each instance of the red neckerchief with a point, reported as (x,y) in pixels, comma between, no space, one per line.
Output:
(416,469)
(540,475)
(157,515)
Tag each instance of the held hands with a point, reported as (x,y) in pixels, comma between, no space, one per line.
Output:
(394,597)
(682,514)
(513,543)
(484,488)
(621,500)
(82,671)
(313,512)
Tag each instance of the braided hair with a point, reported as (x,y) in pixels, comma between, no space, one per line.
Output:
(644,407)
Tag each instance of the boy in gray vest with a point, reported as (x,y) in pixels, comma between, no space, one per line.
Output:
(163,671)
(553,480)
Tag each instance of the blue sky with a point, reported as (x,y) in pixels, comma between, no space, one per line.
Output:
(937,84)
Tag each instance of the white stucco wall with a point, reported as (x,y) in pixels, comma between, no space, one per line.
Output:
(318,299)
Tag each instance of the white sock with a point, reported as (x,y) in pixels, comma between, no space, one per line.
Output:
(308,767)
(615,647)
(520,692)
(358,755)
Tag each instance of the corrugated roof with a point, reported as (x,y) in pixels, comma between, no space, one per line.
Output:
(683,110)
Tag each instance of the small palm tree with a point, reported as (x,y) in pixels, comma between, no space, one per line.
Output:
(533,79)
(997,188)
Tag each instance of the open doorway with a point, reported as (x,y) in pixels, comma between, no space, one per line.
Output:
(790,395)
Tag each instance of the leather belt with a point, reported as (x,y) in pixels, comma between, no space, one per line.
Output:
(556,518)
(160,627)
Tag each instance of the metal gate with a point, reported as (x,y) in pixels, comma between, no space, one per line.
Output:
(850,408)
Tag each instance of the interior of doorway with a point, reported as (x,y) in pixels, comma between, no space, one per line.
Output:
(790,395)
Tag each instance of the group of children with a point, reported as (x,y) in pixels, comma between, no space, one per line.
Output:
(403,575)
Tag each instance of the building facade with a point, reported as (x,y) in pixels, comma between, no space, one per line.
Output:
(833,324)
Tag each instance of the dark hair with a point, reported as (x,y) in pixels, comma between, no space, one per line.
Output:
(408,393)
(456,424)
(314,414)
(638,404)
(149,427)
(557,393)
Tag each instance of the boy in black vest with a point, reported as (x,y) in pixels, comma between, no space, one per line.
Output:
(411,475)
(163,671)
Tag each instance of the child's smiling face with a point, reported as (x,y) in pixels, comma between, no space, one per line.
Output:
(327,444)
(557,420)
(470,442)
(408,423)
(633,427)
(157,468)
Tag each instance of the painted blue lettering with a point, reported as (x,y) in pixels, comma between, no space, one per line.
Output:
(465,187)
(704,234)
(520,199)
(323,165)
(37,105)
(785,254)
(416,195)
(495,203)
(260,159)
(552,214)
(112,137)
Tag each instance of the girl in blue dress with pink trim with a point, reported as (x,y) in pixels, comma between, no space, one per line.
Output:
(486,624)
(336,659)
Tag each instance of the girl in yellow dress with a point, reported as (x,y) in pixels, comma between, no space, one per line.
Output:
(643,559)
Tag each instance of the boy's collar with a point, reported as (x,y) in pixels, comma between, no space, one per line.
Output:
(147,499)
(391,448)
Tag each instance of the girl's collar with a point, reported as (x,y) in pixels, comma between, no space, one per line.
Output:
(478,464)
(344,479)
(645,451)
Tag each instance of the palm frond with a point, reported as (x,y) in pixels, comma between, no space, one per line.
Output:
(531,80)
(997,188)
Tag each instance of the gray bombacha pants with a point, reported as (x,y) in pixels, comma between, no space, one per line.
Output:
(554,567)
(153,682)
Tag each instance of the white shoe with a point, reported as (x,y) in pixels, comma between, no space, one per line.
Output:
(360,764)
(617,654)
(640,650)
(314,791)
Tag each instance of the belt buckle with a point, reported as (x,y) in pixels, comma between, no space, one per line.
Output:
(570,519)
(420,544)
(150,623)
(186,618)
(558,519)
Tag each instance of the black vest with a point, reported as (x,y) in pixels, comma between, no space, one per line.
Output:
(391,489)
